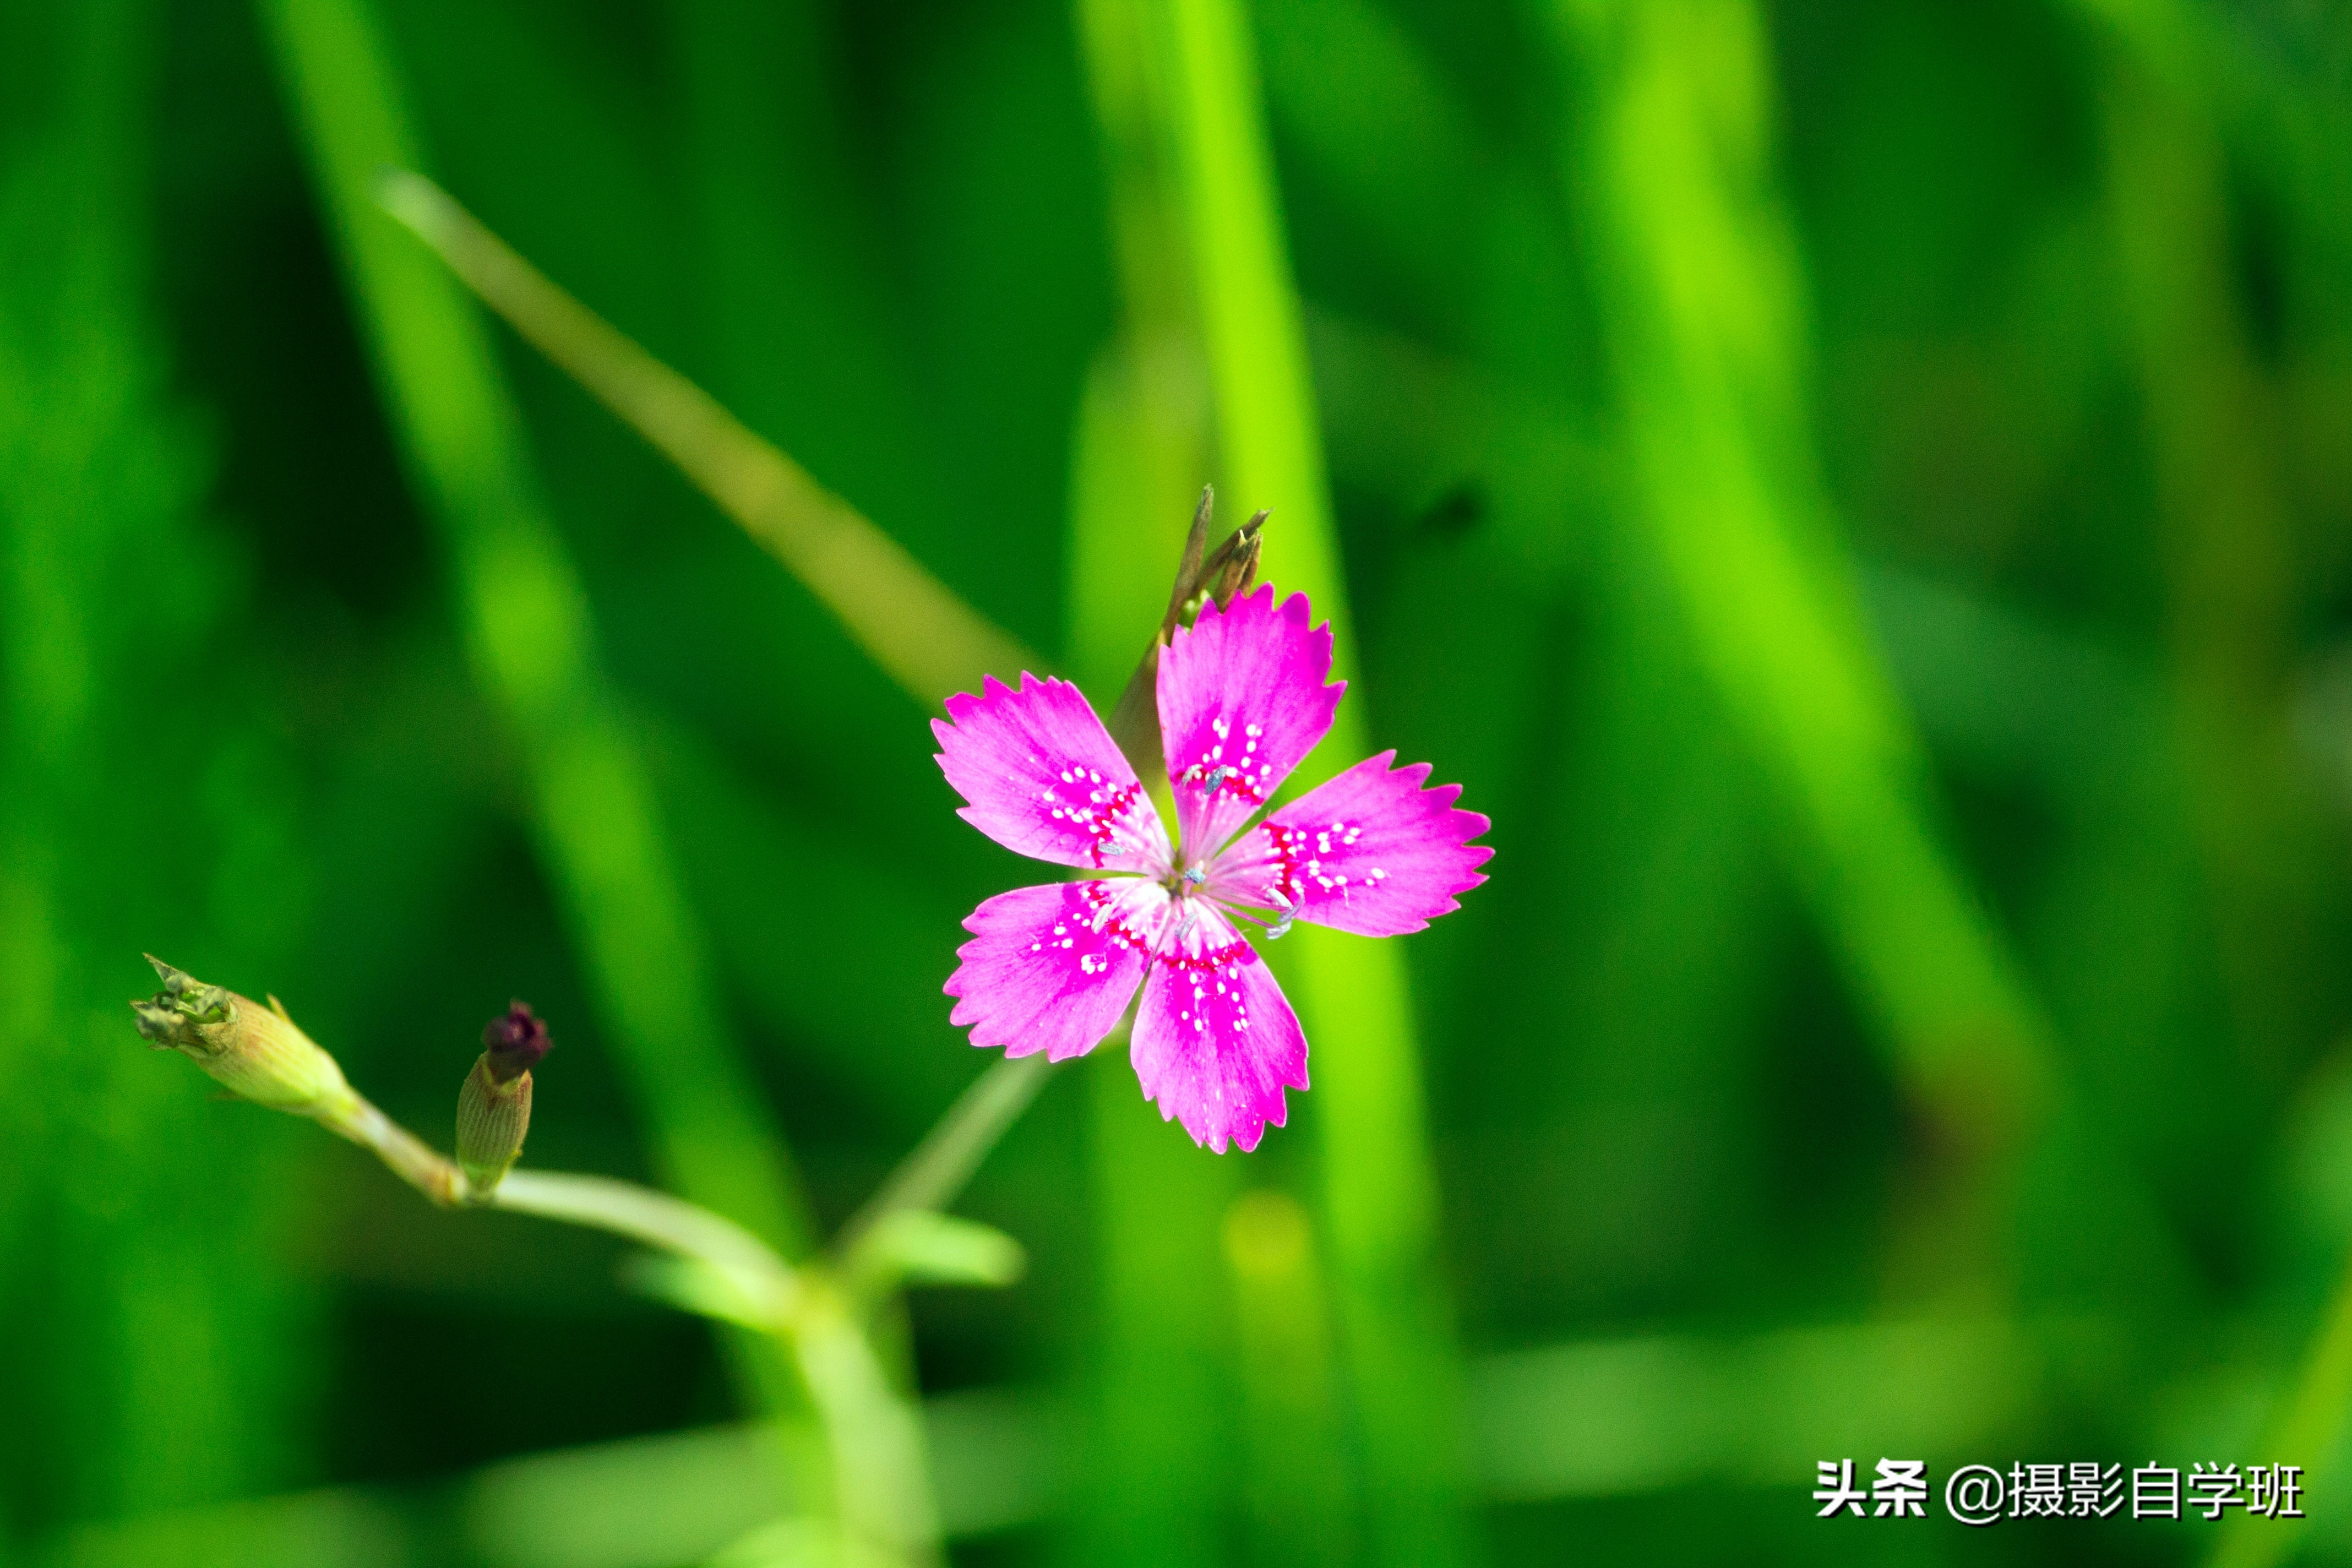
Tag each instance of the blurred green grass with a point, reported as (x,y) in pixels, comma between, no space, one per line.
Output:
(1860,494)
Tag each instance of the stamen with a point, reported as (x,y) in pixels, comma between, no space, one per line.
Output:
(1281,927)
(1275,928)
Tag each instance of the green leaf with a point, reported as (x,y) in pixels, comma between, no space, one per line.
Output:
(693,1285)
(918,1246)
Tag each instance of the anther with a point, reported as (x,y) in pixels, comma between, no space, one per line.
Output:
(1281,927)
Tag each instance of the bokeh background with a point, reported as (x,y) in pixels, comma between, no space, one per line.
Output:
(1861,493)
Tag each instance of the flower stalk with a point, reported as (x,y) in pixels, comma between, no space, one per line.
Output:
(883,1509)
(864,576)
(929,1179)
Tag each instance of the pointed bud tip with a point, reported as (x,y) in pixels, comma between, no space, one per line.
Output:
(515,1041)
(255,1053)
(172,1016)
(157,1024)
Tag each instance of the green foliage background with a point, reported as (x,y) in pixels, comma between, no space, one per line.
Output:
(1860,493)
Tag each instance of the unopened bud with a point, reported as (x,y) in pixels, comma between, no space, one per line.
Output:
(492,1120)
(1202,574)
(1230,570)
(256,1052)
(493,1107)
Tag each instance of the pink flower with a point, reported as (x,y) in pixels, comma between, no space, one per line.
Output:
(1242,701)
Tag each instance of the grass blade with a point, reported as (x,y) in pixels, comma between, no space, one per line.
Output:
(912,624)
(1379,1190)
(1159,1398)
(1693,261)
(1702,305)
(524,610)
(157,1332)
(1161,1395)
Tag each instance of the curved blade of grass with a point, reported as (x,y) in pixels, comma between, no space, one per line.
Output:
(912,624)
(1693,258)
(1788,645)
(1379,1191)
(2226,546)
(156,1344)
(1702,306)
(525,616)
(2226,541)
(1160,1396)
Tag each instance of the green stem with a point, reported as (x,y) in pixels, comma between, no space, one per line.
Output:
(874,1431)
(931,1176)
(1379,1184)
(907,621)
(599,1203)
(658,1220)
(882,1476)
(411,1159)
(873,1427)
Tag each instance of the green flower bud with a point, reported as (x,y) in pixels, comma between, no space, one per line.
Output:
(493,1107)
(256,1052)
(1202,574)
(492,1120)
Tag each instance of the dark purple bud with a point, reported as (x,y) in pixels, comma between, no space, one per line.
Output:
(515,1041)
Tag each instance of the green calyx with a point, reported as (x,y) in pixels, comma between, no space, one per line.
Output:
(493,1118)
(256,1052)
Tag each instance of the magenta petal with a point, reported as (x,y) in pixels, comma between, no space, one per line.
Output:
(1370,852)
(1051,969)
(1215,1040)
(1042,776)
(1242,701)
